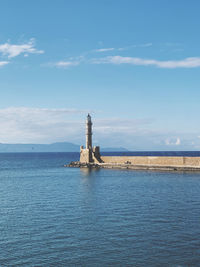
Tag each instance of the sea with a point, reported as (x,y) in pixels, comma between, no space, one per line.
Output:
(51,215)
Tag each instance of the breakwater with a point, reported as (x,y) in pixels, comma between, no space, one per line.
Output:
(144,162)
(153,160)
(90,157)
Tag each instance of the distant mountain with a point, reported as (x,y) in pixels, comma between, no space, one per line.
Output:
(113,149)
(55,147)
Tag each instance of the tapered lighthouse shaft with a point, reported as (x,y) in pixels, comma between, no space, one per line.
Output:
(89,132)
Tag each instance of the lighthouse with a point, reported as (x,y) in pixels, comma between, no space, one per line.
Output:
(89,154)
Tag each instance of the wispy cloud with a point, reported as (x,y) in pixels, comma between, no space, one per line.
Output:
(3,63)
(13,50)
(85,57)
(138,134)
(65,64)
(70,62)
(47,125)
(191,62)
(135,46)
(117,125)
(104,49)
(100,50)
(42,125)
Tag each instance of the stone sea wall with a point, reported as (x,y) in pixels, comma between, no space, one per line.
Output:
(154,161)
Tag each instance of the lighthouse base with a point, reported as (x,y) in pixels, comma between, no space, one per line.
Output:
(90,155)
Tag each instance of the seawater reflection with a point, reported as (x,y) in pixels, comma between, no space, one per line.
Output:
(89,171)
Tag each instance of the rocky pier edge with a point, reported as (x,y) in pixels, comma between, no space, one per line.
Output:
(78,164)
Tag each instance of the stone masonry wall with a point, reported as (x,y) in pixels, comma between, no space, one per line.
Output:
(146,160)
(90,155)
(85,155)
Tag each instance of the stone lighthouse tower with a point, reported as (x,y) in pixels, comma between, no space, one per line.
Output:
(89,154)
(88,132)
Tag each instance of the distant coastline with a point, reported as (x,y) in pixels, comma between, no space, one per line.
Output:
(54,147)
(70,147)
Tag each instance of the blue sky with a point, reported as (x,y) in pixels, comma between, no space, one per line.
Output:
(134,65)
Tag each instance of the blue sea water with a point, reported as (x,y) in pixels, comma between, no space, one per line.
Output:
(56,216)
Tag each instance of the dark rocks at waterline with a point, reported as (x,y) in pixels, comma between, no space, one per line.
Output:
(78,164)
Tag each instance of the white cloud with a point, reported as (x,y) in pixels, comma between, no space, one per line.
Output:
(178,141)
(65,64)
(134,46)
(75,61)
(122,48)
(45,125)
(70,62)
(104,49)
(191,62)
(13,50)
(3,63)
(173,141)
(40,125)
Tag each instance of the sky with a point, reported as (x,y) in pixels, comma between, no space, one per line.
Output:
(134,65)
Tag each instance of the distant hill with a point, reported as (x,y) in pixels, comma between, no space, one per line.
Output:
(113,149)
(55,147)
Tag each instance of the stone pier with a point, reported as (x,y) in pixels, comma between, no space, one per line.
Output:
(90,157)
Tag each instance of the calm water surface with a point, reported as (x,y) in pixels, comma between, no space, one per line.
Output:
(56,216)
